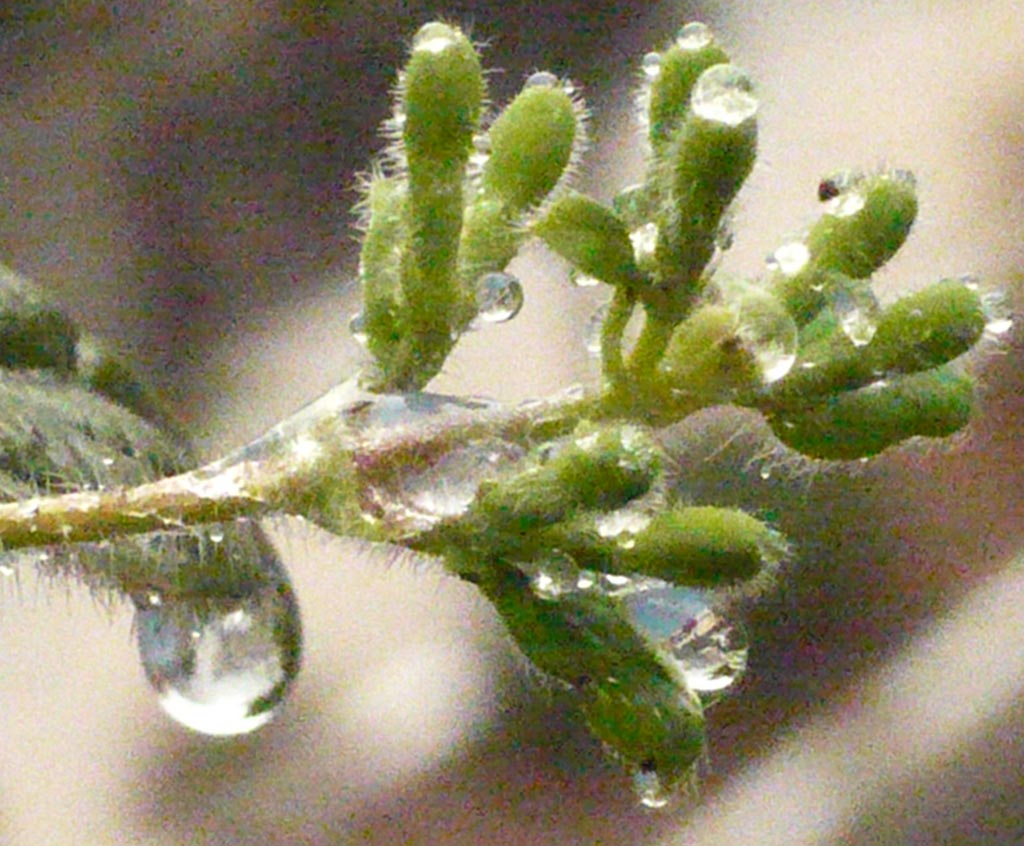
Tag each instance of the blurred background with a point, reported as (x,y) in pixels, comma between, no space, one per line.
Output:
(179,176)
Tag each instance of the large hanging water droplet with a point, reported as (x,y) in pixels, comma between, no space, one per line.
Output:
(694,36)
(724,94)
(449,486)
(222,646)
(856,308)
(767,331)
(709,651)
(499,297)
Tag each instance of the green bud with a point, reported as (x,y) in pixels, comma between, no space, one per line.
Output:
(710,158)
(671,88)
(927,328)
(442,92)
(863,228)
(592,237)
(856,424)
(381,263)
(600,469)
(531,144)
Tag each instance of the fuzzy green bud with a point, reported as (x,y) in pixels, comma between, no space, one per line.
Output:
(592,237)
(442,92)
(531,144)
(856,424)
(863,228)
(600,469)
(710,158)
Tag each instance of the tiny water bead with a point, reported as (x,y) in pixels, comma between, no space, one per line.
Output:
(708,650)
(856,308)
(434,38)
(694,36)
(838,182)
(583,280)
(789,259)
(357,328)
(724,94)
(223,647)
(846,204)
(644,240)
(651,65)
(766,330)
(649,790)
(499,297)
(998,316)
(541,79)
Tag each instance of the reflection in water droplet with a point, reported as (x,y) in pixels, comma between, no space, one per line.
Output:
(223,659)
(357,327)
(856,308)
(724,94)
(499,297)
(694,36)
(651,65)
(449,486)
(624,524)
(789,259)
(541,79)
(709,651)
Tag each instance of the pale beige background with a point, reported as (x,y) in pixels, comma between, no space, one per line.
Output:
(178,177)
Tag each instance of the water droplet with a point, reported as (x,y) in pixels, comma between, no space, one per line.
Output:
(223,659)
(357,327)
(215,535)
(634,204)
(592,330)
(448,487)
(649,789)
(846,204)
(623,524)
(998,317)
(767,331)
(433,38)
(6,571)
(583,280)
(856,308)
(789,259)
(765,473)
(724,94)
(651,65)
(499,297)
(644,239)
(541,79)
(708,650)
(554,578)
(694,36)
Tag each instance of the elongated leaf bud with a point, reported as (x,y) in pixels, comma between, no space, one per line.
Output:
(592,237)
(856,424)
(531,144)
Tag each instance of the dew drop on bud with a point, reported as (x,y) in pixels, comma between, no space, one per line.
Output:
(651,65)
(583,280)
(541,79)
(846,204)
(644,240)
(709,651)
(223,648)
(789,259)
(857,310)
(724,94)
(357,327)
(649,790)
(499,296)
(433,38)
(767,332)
(694,36)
